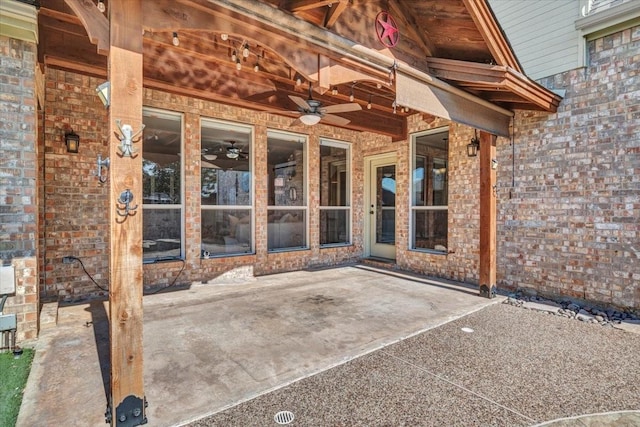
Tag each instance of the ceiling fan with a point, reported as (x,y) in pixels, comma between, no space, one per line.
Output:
(234,152)
(311,111)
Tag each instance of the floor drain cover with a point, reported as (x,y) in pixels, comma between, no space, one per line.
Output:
(283,417)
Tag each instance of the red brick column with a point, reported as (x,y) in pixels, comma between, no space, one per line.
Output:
(18,188)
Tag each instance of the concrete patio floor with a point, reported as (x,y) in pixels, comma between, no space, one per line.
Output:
(339,347)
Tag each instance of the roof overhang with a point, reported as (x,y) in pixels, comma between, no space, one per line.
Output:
(496,83)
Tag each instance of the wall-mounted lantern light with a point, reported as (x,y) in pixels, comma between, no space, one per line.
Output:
(72,140)
(103,93)
(474,145)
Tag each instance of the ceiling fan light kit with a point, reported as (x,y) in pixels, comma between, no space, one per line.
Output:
(310,119)
(312,112)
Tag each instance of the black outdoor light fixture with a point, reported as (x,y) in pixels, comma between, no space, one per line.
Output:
(72,140)
(472,147)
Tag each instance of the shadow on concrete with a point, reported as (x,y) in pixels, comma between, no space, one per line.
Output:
(100,323)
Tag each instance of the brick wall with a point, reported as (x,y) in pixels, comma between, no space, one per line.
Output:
(75,203)
(462,261)
(18,169)
(75,216)
(567,211)
(570,224)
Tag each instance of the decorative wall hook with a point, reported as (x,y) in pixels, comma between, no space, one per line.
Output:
(102,164)
(127,139)
(125,199)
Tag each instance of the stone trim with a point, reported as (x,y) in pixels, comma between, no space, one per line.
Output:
(18,21)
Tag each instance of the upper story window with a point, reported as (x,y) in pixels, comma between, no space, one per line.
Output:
(599,18)
(335,193)
(429,190)
(287,191)
(226,188)
(162,225)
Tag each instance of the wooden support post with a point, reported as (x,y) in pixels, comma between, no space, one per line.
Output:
(488,230)
(127,401)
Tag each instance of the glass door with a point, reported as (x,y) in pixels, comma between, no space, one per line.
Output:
(382,207)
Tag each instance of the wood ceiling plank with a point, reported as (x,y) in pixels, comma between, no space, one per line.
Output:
(54,25)
(491,33)
(359,121)
(405,16)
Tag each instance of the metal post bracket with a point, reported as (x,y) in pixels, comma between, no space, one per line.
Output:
(129,413)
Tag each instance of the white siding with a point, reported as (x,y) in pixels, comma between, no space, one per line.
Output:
(542,34)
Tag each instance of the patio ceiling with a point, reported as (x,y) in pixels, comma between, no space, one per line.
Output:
(458,41)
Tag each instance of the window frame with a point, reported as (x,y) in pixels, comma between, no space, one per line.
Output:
(251,208)
(181,205)
(301,139)
(413,208)
(348,190)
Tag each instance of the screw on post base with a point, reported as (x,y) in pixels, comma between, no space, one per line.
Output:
(488,291)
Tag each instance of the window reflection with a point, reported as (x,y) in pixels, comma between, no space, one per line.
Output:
(385,209)
(286,228)
(162,185)
(335,197)
(430,191)
(226,188)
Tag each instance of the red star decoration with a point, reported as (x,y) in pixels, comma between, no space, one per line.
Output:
(386,29)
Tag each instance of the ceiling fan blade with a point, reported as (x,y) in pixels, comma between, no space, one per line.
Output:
(300,102)
(335,120)
(209,165)
(342,108)
(296,122)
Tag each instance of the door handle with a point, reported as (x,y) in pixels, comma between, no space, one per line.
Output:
(371,212)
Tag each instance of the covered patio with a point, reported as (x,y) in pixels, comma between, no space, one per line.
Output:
(179,142)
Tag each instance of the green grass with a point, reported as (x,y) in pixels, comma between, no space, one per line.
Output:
(13,378)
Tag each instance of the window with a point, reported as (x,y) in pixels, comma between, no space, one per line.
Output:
(226,188)
(429,191)
(335,193)
(287,211)
(162,224)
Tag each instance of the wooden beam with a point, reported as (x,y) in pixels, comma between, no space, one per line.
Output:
(334,13)
(295,52)
(300,5)
(332,73)
(489,78)
(94,22)
(75,66)
(58,16)
(488,230)
(125,176)
(450,104)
